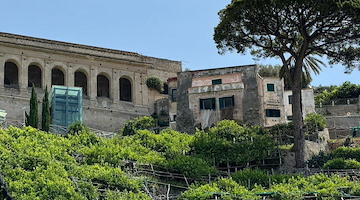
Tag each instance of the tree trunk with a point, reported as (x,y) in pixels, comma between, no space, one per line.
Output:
(299,139)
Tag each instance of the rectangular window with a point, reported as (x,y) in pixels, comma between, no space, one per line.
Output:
(207,104)
(173,95)
(216,81)
(226,102)
(290,117)
(272,113)
(270,87)
(290,98)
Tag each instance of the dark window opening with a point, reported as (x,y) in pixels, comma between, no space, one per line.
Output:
(173,95)
(81,81)
(270,87)
(11,75)
(207,104)
(272,113)
(103,86)
(165,89)
(57,77)
(290,117)
(125,89)
(34,76)
(216,81)
(226,102)
(290,98)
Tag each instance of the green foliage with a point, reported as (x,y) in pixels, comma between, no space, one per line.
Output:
(269,70)
(113,150)
(319,160)
(77,127)
(347,153)
(227,188)
(139,123)
(230,142)
(291,188)
(284,133)
(37,165)
(252,178)
(169,142)
(117,195)
(190,166)
(341,163)
(327,94)
(154,83)
(32,118)
(315,122)
(45,114)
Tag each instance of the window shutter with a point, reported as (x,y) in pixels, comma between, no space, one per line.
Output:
(213,103)
(221,103)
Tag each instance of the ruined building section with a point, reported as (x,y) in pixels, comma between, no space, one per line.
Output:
(276,101)
(205,97)
(112,81)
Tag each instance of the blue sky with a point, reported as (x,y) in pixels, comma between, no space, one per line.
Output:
(175,30)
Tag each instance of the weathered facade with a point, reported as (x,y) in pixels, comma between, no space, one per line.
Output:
(113,81)
(205,97)
(276,102)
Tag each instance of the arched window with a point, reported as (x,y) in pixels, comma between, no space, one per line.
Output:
(34,76)
(103,86)
(11,75)
(81,81)
(125,89)
(57,77)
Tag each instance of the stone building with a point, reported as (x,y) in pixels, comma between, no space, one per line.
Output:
(276,102)
(202,98)
(112,81)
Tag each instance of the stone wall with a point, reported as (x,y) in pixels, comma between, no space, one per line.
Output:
(100,112)
(242,85)
(338,110)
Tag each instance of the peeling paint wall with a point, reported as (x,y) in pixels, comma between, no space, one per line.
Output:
(238,83)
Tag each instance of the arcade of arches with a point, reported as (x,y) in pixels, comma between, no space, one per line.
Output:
(35,77)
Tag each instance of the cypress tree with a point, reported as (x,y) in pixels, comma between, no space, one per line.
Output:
(32,117)
(45,115)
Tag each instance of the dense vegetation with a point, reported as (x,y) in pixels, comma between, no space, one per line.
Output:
(326,94)
(40,165)
(340,158)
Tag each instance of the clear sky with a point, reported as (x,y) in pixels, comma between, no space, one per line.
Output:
(175,30)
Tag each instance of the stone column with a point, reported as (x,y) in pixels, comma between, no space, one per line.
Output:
(137,92)
(115,85)
(70,82)
(23,74)
(2,70)
(47,75)
(93,83)
(144,90)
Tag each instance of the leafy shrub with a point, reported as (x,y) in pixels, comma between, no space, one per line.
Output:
(190,166)
(139,123)
(169,142)
(77,127)
(319,160)
(154,83)
(340,163)
(347,153)
(126,195)
(227,188)
(252,177)
(231,143)
(284,133)
(315,122)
